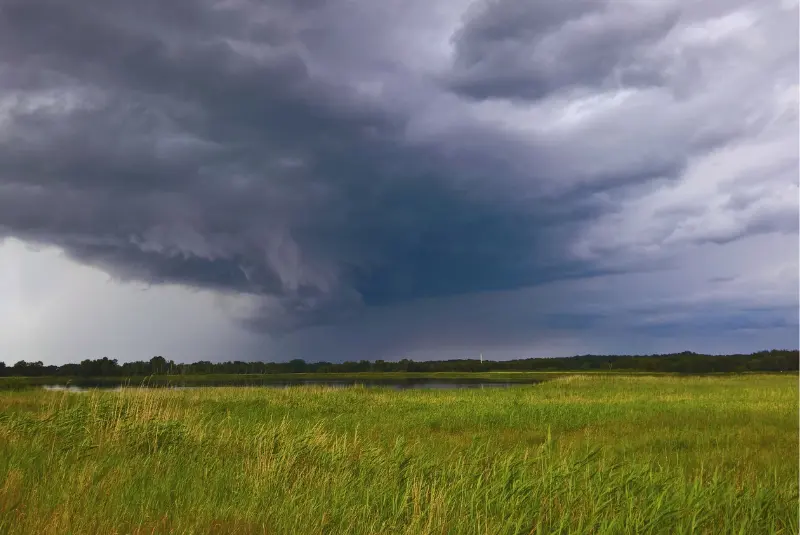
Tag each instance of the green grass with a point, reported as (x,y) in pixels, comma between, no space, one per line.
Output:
(582,454)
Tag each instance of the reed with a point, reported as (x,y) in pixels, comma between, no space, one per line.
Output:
(580,454)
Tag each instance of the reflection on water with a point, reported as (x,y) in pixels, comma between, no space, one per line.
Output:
(64,388)
(394,384)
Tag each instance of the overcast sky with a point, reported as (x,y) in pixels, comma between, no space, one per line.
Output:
(348,179)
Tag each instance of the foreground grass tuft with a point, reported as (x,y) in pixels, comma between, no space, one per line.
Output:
(582,454)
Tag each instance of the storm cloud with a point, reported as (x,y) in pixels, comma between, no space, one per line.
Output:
(332,163)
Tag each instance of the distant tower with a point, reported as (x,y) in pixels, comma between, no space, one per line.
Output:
(481,358)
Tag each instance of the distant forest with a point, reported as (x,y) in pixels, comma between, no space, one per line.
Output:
(686,362)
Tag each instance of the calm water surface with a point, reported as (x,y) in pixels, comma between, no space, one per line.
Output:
(436,384)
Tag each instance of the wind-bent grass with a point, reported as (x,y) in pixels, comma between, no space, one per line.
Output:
(582,454)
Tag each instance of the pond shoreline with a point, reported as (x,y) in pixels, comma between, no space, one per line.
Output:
(396,380)
(283,379)
(394,385)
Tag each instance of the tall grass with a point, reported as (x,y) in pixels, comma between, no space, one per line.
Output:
(582,454)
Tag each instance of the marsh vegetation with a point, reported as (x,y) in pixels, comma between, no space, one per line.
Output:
(578,454)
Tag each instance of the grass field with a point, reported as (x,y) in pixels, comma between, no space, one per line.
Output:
(582,454)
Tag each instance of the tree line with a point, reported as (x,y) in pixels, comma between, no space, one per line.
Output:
(777,360)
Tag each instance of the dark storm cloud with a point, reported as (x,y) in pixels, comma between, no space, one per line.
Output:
(322,156)
(189,143)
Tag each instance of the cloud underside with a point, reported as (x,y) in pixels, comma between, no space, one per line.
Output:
(319,157)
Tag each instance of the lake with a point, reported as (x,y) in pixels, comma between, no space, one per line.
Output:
(397,384)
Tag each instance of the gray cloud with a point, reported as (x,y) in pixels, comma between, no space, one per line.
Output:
(327,158)
(181,157)
(510,48)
